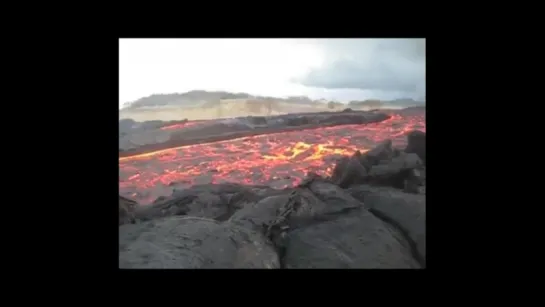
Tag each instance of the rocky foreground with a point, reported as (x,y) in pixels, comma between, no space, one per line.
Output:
(370,214)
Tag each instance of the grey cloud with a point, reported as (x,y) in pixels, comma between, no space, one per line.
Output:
(394,67)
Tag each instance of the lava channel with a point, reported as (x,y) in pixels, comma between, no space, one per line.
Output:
(278,160)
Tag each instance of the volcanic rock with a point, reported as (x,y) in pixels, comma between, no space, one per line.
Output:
(215,201)
(381,152)
(395,170)
(315,225)
(256,216)
(382,165)
(412,182)
(340,168)
(417,144)
(407,212)
(353,173)
(298,121)
(126,210)
(356,240)
(336,198)
(257,120)
(364,160)
(191,242)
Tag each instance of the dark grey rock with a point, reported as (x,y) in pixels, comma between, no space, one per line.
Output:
(340,168)
(336,198)
(413,182)
(127,208)
(417,144)
(403,210)
(191,242)
(381,152)
(356,240)
(210,201)
(395,171)
(254,216)
(353,173)
(364,160)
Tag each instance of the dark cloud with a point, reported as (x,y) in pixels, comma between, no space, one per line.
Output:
(378,65)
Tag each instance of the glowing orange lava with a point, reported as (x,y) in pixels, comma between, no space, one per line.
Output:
(278,160)
(181,126)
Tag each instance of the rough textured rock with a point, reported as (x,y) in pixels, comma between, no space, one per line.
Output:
(316,225)
(395,171)
(127,208)
(255,216)
(333,222)
(215,201)
(336,198)
(381,152)
(382,165)
(357,240)
(190,242)
(417,144)
(354,173)
(329,228)
(405,211)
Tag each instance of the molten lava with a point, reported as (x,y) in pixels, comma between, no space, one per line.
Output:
(181,125)
(278,160)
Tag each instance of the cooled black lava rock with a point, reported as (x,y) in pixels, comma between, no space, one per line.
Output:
(127,208)
(315,225)
(214,201)
(191,242)
(354,239)
(413,182)
(340,168)
(255,215)
(393,172)
(364,160)
(353,173)
(257,120)
(382,165)
(381,152)
(389,168)
(417,144)
(298,121)
(125,125)
(405,211)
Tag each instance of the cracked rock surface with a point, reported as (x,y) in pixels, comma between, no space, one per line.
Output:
(370,214)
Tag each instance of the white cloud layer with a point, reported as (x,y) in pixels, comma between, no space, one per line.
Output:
(342,69)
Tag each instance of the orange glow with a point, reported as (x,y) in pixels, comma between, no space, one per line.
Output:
(278,160)
(181,126)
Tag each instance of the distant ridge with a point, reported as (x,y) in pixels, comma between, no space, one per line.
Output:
(200,97)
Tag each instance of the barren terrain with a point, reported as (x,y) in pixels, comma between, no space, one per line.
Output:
(225,109)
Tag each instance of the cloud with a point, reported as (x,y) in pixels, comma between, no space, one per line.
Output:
(385,67)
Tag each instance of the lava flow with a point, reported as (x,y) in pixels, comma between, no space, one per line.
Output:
(182,125)
(278,160)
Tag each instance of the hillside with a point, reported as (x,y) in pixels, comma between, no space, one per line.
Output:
(375,103)
(204,105)
(198,98)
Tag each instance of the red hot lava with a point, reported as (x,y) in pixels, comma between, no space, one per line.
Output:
(182,125)
(278,160)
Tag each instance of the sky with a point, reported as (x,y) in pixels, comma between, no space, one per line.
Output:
(333,69)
